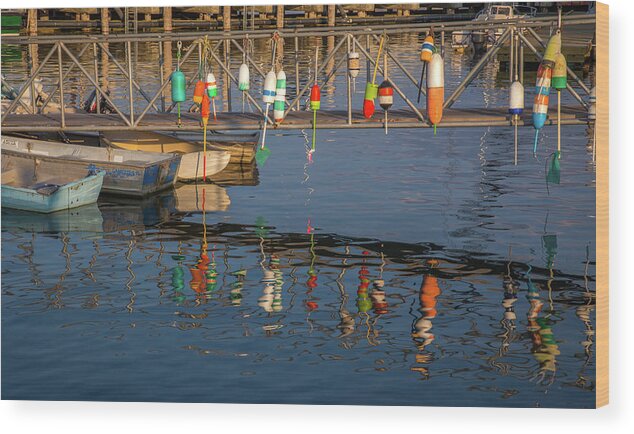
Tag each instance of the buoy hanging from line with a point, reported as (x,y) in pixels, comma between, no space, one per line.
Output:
(199,91)
(435,89)
(516,106)
(179,93)
(426,52)
(243,77)
(212,90)
(559,82)
(552,48)
(371,88)
(540,105)
(354,66)
(268,96)
(386,93)
(280,97)
(204,112)
(315,102)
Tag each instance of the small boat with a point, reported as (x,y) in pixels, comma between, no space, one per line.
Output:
(485,38)
(26,188)
(241,146)
(133,173)
(192,158)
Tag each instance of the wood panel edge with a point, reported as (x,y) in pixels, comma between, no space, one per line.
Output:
(602,205)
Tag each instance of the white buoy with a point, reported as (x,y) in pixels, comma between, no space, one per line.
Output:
(243,77)
(516,107)
(280,97)
(435,89)
(268,96)
(354,66)
(516,98)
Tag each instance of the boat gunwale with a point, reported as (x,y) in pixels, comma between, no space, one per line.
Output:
(167,157)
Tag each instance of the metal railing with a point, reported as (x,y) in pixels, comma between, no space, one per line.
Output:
(349,38)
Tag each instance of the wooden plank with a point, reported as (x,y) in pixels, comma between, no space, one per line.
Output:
(602,207)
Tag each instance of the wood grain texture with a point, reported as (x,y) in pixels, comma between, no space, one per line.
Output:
(602,205)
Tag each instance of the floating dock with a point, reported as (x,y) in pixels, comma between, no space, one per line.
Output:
(330,119)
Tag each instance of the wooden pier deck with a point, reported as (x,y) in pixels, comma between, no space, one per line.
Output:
(326,119)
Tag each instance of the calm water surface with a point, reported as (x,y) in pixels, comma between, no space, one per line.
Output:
(407,269)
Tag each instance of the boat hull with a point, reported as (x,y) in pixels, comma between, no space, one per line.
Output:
(125,172)
(192,159)
(193,166)
(73,195)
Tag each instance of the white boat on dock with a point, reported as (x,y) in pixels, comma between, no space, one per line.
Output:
(193,164)
(132,173)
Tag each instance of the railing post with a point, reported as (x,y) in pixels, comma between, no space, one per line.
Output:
(61,86)
(130,88)
(348,87)
(96,65)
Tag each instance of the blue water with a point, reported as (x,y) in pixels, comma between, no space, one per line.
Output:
(488,277)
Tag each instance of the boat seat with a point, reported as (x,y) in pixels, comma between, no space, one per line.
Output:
(44,188)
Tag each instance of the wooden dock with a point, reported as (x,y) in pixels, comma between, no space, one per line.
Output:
(326,119)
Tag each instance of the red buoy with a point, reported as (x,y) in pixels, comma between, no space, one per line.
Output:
(315,97)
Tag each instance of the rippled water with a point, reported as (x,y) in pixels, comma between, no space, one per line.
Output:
(401,269)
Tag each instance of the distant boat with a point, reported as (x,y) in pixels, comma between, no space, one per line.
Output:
(27,188)
(461,39)
(191,167)
(132,173)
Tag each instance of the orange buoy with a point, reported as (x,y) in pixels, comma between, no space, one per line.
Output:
(435,89)
(199,91)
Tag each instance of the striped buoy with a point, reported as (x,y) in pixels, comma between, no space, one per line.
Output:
(212,87)
(427,50)
(560,72)
(435,89)
(354,65)
(540,110)
(270,81)
(540,105)
(516,98)
(544,78)
(542,90)
(552,48)
(280,97)
(199,91)
(243,77)
(386,95)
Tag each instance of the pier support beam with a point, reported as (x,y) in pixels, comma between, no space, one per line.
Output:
(167,52)
(105,21)
(280,17)
(226,18)
(32,22)
(332,12)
